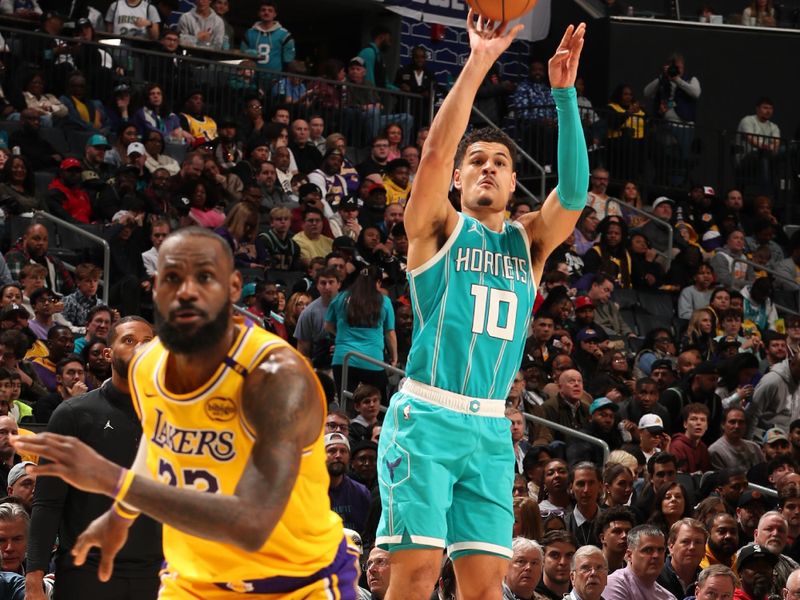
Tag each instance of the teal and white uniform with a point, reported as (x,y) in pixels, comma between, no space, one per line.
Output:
(446,463)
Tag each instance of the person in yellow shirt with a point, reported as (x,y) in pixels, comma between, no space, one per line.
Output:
(397,181)
(232,457)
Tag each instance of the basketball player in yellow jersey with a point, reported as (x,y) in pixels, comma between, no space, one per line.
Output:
(231,460)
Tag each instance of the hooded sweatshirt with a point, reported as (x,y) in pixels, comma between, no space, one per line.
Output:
(273,46)
(731,273)
(694,459)
(775,403)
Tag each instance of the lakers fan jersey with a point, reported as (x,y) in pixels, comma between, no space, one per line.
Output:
(202,440)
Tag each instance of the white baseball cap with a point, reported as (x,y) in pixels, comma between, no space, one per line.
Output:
(135,147)
(652,423)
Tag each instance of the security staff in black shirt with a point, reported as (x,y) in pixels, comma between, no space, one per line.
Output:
(105,420)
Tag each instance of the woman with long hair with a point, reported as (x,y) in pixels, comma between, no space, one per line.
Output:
(586,230)
(527,519)
(671,504)
(98,368)
(362,319)
(239,229)
(610,254)
(630,195)
(617,485)
(117,155)
(155,116)
(719,303)
(18,191)
(394,133)
(296,304)
(203,211)
(700,333)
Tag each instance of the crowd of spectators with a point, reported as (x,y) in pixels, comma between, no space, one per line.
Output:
(693,406)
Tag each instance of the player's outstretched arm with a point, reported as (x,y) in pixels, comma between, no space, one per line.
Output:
(428,209)
(551,225)
(281,402)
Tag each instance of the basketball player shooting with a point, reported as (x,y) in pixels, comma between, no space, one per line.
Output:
(445,456)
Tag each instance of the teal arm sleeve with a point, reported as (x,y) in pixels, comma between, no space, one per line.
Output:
(573,159)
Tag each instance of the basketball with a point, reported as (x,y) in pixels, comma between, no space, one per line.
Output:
(501,10)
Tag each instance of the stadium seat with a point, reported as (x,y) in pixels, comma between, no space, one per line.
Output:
(10,126)
(625,298)
(41,179)
(645,322)
(629,317)
(176,151)
(654,303)
(76,141)
(55,135)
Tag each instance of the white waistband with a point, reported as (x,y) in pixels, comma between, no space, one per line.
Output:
(464,404)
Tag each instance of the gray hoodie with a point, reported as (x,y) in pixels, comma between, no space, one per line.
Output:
(731,273)
(775,403)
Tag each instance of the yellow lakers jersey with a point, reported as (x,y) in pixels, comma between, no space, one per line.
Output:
(202,440)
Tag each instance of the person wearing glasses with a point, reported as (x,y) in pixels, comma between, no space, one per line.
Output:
(589,574)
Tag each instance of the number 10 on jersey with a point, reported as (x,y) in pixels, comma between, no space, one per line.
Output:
(490,306)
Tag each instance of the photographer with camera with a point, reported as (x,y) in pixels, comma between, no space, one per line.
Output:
(674,95)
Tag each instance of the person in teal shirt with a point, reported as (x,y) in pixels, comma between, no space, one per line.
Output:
(362,319)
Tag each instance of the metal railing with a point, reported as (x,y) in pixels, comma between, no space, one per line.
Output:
(346,395)
(41,215)
(792,284)
(247,314)
(764,490)
(227,79)
(570,432)
(660,222)
(661,155)
(531,162)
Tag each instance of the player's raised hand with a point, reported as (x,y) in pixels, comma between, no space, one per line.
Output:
(489,39)
(563,66)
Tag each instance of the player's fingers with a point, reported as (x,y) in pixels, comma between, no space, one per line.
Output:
(51,469)
(471,19)
(106,565)
(81,548)
(567,36)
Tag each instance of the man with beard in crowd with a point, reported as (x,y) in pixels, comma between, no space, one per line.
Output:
(63,510)
(33,249)
(349,498)
(723,540)
(559,548)
(772,535)
(754,568)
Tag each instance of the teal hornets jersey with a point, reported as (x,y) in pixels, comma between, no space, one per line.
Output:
(472,306)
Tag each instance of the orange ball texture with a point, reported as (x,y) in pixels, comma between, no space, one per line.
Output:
(501,10)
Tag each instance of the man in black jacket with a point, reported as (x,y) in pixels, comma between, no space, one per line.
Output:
(104,419)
